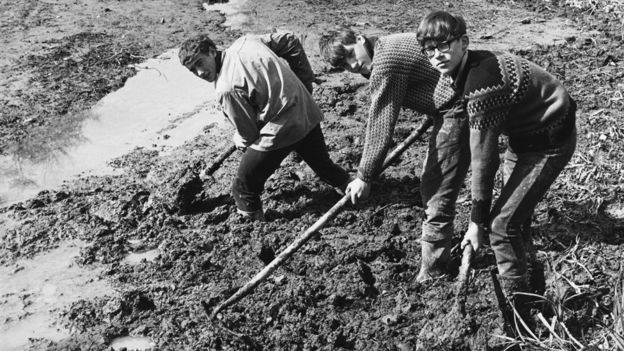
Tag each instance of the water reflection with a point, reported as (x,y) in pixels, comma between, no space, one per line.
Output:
(161,107)
(46,143)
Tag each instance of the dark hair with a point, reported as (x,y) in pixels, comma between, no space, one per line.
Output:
(331,44)
(193,46)
(440,26)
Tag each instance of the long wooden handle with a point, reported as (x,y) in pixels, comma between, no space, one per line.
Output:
(467,255)
(462,278)
(305,236)
(219,161)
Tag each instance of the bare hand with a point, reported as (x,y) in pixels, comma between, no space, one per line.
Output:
(358,189)
(474,236)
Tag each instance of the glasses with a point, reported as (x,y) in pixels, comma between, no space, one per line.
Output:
(444,46)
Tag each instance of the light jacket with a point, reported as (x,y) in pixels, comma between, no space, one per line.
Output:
(267,98)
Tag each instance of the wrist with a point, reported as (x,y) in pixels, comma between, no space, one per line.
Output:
(363,178)
(480,226)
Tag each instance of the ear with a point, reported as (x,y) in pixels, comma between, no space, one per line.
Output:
(212,51)
(464,42)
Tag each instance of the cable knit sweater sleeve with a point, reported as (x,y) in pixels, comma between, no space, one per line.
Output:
(388,92)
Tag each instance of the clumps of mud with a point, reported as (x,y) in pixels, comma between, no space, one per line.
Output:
(445,327)
(452,331)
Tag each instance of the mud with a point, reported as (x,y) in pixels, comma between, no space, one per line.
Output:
(352,286)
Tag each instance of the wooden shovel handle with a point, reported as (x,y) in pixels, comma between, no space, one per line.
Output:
(462,278)
(219,161)
(305,236)
(464,269)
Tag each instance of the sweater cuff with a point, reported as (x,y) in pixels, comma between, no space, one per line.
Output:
(480,213)
(361,175)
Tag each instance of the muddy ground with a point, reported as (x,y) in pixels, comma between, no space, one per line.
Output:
(352,286)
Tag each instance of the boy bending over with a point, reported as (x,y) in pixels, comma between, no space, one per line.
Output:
(269,102)
(504,94)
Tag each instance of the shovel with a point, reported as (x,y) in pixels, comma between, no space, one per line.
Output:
(208,171)
(190,184)
(312,230)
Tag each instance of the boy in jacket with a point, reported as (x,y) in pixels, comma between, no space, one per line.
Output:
(269,102)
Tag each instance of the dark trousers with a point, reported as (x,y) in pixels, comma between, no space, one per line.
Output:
(445,169)
(527,176)
(257,166)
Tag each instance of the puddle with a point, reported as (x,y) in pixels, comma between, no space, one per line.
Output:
(161,107)
(34,291)
(6,223)
(134,343)
(615,210)
(237,16)
(135,258)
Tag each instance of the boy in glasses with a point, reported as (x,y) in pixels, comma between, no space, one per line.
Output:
(269,102)
(504,94)
(401,76)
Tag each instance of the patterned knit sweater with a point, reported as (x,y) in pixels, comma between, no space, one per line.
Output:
(507,94)
(401,77)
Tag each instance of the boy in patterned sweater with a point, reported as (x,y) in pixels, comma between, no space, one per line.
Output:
(401,76)
(503,94)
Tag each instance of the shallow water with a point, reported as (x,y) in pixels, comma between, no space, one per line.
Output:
(33,292)
(138,343)
(237,16)
(161,107)
(135,258)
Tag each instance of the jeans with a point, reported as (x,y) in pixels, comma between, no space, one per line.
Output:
(257,166)
(444,172)
(527,177)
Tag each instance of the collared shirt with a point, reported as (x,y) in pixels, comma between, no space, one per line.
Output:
(460,71)
(268,101)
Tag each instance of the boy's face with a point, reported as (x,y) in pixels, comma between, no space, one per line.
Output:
(204,65)
(446,56)
(357,59)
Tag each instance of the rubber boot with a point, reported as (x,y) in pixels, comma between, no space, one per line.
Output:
(517,309)
(252,215)
(535,269)
(435,257)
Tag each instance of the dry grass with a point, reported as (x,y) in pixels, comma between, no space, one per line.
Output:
(596,174)
(573,316)
(614,7)
(617,331)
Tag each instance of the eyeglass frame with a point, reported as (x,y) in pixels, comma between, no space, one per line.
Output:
(430,52)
